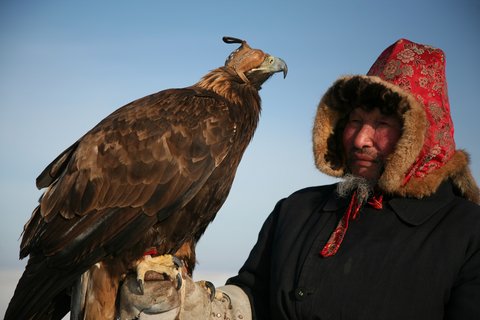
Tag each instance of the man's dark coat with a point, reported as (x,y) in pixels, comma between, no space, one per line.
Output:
(413,259)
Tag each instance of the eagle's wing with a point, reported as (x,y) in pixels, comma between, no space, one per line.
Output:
(153,154)
(134,168)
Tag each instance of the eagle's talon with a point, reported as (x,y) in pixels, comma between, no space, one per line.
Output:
(177,262)
(228,299)
(179,281)
(211,289)
(140,286)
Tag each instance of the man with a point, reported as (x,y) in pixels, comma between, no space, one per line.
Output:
(397,238)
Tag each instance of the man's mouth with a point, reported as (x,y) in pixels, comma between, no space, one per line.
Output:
(362,157)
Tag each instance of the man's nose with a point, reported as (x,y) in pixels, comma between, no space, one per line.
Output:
(364,137)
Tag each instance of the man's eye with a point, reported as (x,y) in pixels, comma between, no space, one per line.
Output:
(384,124)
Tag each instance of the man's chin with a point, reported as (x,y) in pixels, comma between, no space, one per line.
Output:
(371,173)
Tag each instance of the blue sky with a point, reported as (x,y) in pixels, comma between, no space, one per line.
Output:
(64,65)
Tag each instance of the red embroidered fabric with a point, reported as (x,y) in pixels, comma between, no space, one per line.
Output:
(336,238)
(420,70)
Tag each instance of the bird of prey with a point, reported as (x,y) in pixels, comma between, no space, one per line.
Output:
(148,178)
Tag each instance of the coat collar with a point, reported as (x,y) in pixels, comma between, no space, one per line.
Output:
(417,211)
(412,211)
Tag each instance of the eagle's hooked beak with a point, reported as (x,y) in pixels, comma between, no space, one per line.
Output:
(272,65)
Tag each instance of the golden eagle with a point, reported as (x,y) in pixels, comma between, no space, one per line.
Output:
(150,176)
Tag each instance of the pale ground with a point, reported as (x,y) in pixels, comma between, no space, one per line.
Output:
(9,278)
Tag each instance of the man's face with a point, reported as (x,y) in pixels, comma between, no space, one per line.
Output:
(368,137)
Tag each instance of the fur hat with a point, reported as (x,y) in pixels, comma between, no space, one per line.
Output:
(407,79)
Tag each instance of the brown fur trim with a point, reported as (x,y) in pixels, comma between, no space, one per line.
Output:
(456,169)
(465,182)
(323,131)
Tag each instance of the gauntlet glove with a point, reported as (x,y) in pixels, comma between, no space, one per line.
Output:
(164,299)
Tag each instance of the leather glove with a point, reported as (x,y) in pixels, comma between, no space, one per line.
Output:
(164,299)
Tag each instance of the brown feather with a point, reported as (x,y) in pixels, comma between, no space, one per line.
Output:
(154,173)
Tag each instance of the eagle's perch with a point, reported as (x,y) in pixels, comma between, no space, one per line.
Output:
(153,174)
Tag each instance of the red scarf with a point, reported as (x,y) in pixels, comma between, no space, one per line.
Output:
(336,238)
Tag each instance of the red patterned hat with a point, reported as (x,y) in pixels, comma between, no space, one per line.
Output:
(420,70)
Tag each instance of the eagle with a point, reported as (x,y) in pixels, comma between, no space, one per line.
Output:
(147,179)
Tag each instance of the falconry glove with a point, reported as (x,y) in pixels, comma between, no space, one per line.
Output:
(166,300)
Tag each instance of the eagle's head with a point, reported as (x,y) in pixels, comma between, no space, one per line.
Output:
(253,65)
